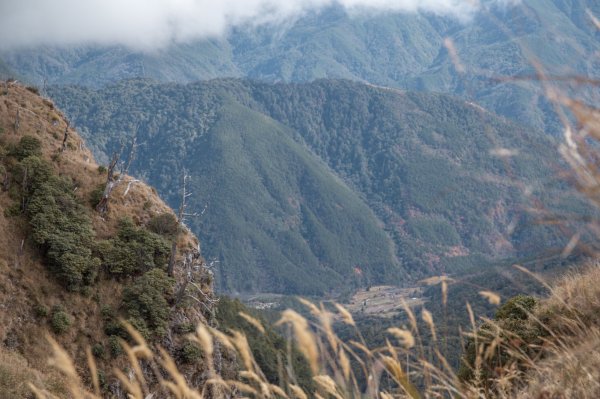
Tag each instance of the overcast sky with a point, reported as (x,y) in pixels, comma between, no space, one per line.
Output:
(151,24)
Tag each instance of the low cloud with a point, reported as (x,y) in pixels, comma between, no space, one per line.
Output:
(151,24)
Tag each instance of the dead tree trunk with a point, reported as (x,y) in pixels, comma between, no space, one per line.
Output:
(131,155)
(180,217)
(111,180)
(102,206)
(65,138)
(171,267)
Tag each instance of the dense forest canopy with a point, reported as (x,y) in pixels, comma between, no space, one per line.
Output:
(332,177)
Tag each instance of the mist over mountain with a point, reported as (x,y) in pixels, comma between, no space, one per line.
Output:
(162,22)
(404,50)
(301,180)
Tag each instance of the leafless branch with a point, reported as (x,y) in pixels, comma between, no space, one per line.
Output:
(180,218)
(131,182)
(111,180)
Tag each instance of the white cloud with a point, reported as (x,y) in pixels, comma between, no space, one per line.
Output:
(149,24)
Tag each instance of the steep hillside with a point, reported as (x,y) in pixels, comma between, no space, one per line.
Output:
(396,50)
(356,184)
(72,272)
(276,216)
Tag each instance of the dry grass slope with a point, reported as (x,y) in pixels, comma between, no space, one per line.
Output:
(26,286)
(403,368)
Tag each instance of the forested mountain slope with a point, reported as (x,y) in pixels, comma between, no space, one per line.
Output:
(389,49)
(305,188)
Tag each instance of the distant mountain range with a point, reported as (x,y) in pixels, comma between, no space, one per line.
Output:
(308,188)
(396,50)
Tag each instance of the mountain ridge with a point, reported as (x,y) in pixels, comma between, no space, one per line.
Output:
(398,50)
(415,159)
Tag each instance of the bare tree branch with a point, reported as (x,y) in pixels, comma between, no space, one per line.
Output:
(111,180)
(131,182)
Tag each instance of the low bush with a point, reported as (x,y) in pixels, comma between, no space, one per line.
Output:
(164,224)
(512,324)
(114,346)
(190,353)
(59,223)
(27,146)
(98,350)
(60,321)
(64,231)
(96,195)
(40,311)
(185,328)
(134,251)
(146,304)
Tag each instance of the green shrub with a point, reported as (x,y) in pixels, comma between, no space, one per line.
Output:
(114,346)
(102,169)
(516,308)
(27,146)
(190,352)
(164,224)
(98,350)
(59,223)
(107,312)
(60,321)
(141,326)
(517,333)
(13,210)
(145,302)
(40,311)
(61,227)
(115,328)
(134,251)
(31,173)
(102,380)
(96,195)
(185,328)
(112,326)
